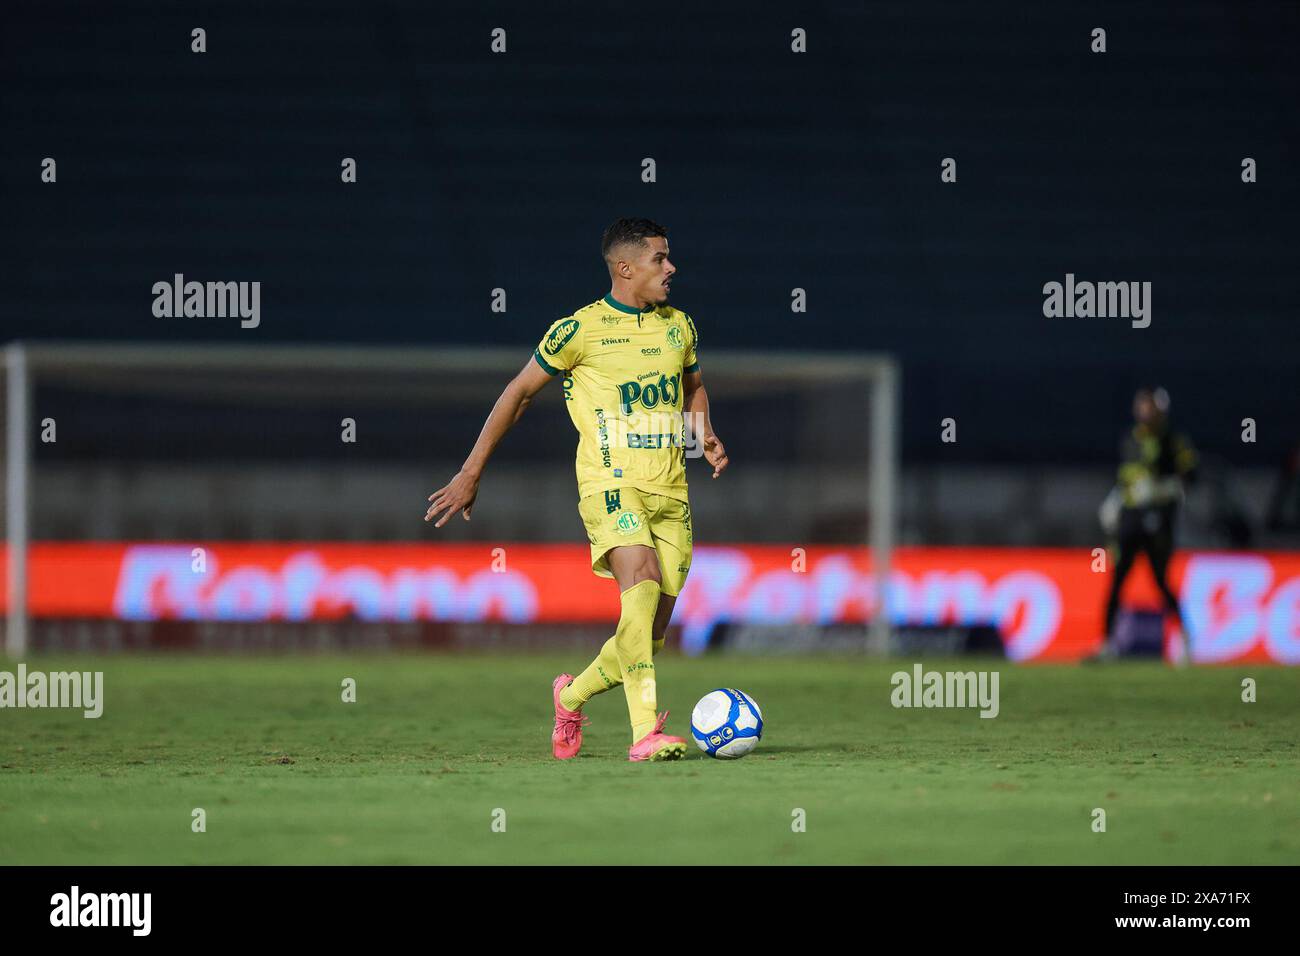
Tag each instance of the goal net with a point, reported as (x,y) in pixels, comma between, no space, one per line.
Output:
(273,496)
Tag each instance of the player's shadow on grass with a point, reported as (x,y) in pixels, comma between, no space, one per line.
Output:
(799,749)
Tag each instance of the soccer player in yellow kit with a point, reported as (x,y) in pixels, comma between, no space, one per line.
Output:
(632,382)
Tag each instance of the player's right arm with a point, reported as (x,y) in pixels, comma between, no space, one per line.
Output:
(459,493)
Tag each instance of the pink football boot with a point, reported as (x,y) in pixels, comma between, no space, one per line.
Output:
(566,738)
(658,746)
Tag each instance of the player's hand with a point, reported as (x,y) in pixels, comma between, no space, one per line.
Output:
(715,454)
(458,494)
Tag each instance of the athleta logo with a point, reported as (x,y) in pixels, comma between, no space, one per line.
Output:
(667,390)
(614,341)
(103,909)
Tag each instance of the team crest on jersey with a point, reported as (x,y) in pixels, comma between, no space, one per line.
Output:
(560,335)
(675,337)
(628,523)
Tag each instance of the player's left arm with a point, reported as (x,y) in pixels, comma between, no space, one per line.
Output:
(695,406)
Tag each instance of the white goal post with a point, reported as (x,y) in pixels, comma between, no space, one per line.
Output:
(396,371)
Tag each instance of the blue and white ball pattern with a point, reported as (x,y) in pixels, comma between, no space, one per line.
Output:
(726,723)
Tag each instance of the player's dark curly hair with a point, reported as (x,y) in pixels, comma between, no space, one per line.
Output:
(634,231)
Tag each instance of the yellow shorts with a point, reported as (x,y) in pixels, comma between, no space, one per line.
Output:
(623,516)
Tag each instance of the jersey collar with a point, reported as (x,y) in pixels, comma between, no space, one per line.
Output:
(613,303)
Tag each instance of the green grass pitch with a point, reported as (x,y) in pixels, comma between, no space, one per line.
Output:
(414,770)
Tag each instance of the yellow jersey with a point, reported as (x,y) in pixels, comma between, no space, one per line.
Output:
(622,382)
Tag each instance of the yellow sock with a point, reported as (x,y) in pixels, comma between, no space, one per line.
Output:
(600,675)
(634,642)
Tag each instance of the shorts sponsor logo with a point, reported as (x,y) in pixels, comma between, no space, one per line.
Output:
(613,502)
(561,334)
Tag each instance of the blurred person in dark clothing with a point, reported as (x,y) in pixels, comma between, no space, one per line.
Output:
(1155,464)
(1284,507)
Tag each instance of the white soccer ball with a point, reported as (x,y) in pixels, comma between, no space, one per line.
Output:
(726,723)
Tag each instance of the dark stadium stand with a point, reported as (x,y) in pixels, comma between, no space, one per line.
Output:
(479,171)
